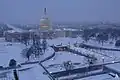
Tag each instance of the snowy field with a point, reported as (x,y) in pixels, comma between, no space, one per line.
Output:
(61,57)
(108,56)
(12,51)
(36,73)
(64,41)
(92,42)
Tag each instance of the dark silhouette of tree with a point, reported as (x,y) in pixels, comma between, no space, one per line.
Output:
(68,65)
(26,53)
(44,44)
(86,34)
(117,44)
(102,37)
(12,63)
(25,38)
(90,61)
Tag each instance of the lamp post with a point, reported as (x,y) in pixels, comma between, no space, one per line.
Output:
(15,74)
(103,62)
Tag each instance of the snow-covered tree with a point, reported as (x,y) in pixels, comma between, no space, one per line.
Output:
(12,63)
(117,44)
(44,44)
(86,34)
(102,37)
(68,65)
(26,53)
(90,61)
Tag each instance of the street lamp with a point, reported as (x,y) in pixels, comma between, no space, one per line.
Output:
(103,62)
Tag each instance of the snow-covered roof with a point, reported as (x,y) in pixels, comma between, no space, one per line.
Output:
(58,30)
(15,28)
(69,29)
(11,31)
(33,30)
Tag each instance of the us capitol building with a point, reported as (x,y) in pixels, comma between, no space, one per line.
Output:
(45,31)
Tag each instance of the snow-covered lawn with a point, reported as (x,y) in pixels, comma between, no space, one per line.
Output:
(64,41)
(10,51)
(36,73)
(61,57)
(13,51)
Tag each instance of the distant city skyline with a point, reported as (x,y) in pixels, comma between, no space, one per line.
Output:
(31,11)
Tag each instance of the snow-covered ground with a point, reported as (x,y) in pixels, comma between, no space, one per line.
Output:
(36,73)
(92,42)
(8,52)
(108,56)
(64,41)
(61,57)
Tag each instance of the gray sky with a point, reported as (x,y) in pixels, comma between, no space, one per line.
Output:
(30,11)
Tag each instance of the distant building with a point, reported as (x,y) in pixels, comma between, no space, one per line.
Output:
(12,36)
(45,31)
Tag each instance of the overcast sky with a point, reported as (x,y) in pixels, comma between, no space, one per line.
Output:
(30,11)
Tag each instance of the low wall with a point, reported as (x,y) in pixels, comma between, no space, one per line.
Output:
(95,47)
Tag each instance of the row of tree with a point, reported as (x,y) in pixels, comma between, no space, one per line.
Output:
(38,48)
(101,35)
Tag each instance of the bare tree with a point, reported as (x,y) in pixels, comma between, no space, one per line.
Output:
(90,61)
(68,65)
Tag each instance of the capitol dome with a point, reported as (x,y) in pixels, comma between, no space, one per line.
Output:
(45,23)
